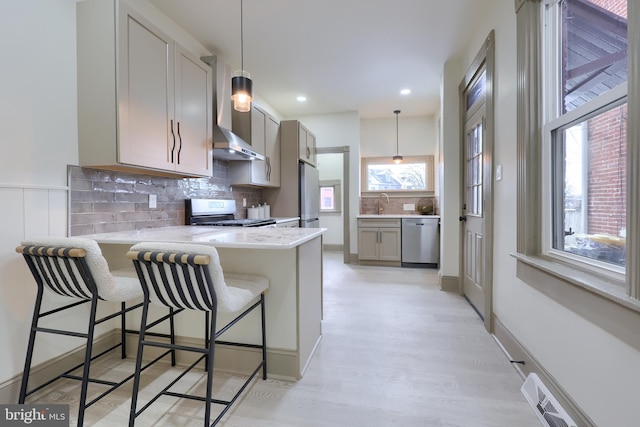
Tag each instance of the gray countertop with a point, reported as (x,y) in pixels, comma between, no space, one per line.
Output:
(223,237)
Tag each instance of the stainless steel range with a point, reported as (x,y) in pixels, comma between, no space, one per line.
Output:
(219,213)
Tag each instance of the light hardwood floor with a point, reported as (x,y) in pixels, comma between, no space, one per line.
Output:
(395,351)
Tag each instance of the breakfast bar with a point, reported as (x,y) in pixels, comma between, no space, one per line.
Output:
(291,258)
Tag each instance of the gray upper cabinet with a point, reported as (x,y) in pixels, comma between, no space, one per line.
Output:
(306,145)
(262,131)
(144,102)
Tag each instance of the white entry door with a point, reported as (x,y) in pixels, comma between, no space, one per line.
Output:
(476,151)
(473,211)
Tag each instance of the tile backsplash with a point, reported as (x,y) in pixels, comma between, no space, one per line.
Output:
(395,205)
(103,201)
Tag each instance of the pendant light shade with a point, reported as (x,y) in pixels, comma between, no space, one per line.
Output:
(397,158)
(241,84)
(242,92)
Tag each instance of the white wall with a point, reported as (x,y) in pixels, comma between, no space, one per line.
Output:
(38,121)
(449,169)
(593,355)
(338,130)
(38,118)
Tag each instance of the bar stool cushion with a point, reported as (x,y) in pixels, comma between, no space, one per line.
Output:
(233,291)
(118,285)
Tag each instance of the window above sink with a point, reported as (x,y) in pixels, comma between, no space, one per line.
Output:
(413,176)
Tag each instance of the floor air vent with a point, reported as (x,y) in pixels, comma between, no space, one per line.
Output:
(544,404)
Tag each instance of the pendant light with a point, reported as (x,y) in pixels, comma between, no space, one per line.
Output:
(397,158)
(241,84)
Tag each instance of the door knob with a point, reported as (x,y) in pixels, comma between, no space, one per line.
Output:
(463,218)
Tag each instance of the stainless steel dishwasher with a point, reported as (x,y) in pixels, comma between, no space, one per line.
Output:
(420,242)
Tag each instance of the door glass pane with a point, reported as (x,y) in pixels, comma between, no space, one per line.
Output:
(474,170)
(590,187)
(477,90)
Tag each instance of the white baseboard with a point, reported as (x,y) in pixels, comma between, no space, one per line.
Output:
(333,247)
(280,363)
(449,283)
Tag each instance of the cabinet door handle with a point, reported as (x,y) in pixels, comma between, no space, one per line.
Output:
(173,137)
(268,169)
(308,153)
(180,139)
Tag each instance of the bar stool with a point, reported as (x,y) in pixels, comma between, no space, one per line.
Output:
(75,268)
(189,276)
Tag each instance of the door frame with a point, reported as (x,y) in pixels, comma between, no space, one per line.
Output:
(484,58)
(346,233)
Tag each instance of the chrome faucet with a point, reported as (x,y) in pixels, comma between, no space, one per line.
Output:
(380,202)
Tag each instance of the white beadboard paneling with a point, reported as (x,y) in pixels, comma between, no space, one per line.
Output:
(28,212)
(16,302)
(58,213)
(36,212)
(11,218)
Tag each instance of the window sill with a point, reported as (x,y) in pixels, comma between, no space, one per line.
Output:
(398,193)
(609,290)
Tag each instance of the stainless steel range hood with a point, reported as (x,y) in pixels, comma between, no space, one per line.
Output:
(226,144)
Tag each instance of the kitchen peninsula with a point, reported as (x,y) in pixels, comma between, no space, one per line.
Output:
(291,258)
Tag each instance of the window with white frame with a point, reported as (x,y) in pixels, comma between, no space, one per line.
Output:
(381,174)
(578,199)
(585,132)
(330,196)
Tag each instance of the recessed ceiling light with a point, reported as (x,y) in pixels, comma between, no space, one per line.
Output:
(405,91)
(301,98)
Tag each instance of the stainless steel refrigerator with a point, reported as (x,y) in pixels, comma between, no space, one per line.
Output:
(309,188)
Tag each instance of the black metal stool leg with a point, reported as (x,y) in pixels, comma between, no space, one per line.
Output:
(172,332)
(264,339)
(87,360)
(32,340)
(138,368)
(206,339)
(210,355)
(123,329)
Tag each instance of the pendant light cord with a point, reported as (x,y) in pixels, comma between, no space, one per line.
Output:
(397,133)
(241,40)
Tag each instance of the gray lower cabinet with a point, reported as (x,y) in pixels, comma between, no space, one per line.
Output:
(379,241)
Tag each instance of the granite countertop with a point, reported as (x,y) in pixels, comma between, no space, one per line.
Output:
(392,216)
(220,237)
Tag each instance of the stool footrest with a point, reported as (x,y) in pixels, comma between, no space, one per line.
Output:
(66,374)
(192,397)
(238,344)
(62,332)
(175,346)
(91,380)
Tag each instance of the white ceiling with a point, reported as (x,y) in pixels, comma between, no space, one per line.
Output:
(343,55)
